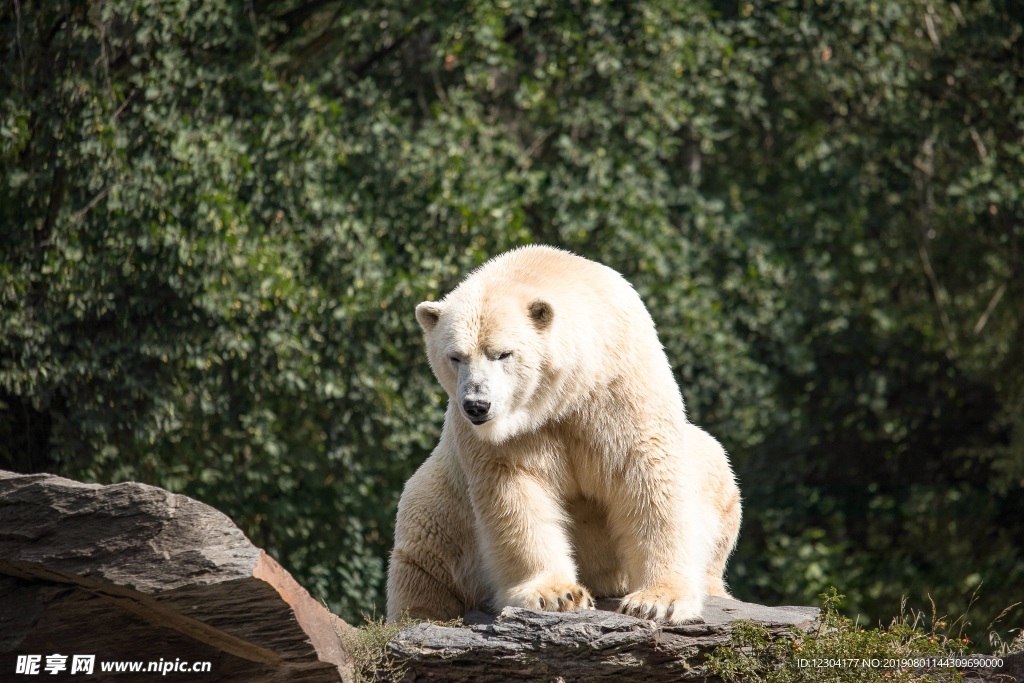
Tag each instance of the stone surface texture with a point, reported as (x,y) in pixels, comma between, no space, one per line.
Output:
(131,572)
(601,645)
(598,645)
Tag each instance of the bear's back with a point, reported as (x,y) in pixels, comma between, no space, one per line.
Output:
(555,273)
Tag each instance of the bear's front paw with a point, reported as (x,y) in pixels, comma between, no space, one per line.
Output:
(662,603)
(551,596)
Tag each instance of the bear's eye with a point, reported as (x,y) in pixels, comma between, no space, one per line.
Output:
(504,354)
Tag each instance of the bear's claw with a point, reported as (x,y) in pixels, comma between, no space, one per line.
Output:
(565,598)
(661,604)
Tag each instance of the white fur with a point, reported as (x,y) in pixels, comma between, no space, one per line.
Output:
(583,477)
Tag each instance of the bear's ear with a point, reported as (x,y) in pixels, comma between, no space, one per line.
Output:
(428,313)
(541,313)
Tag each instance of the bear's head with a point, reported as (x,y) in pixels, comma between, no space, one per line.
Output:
(491,354)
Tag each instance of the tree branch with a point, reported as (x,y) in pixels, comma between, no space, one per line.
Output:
(983,320)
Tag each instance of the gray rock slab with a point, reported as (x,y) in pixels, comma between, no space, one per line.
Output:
(597,645)
(131,572)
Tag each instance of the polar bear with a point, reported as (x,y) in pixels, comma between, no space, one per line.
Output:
(566,468)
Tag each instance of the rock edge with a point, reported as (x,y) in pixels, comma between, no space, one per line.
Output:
(130,572)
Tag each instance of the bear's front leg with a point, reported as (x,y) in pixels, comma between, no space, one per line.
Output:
(666,537)
(524,543)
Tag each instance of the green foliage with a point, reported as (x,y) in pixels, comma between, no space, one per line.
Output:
(216,219)
(839,650)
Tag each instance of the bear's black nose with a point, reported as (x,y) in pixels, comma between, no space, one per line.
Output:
(476,410)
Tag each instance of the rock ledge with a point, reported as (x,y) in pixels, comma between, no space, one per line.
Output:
(599,645)
(131,572)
